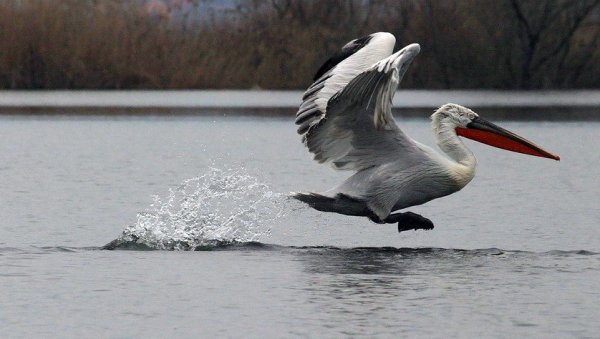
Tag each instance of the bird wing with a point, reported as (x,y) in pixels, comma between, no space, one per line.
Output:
(357,130)
(354,58)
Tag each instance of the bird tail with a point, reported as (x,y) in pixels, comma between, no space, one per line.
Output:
(340,203)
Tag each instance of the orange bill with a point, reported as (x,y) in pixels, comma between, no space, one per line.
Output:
(490,134)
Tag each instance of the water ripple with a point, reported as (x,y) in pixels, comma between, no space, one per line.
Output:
(219,245)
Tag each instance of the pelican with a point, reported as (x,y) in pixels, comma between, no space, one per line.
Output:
(346,121)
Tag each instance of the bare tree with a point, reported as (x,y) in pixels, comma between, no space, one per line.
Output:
(545,32)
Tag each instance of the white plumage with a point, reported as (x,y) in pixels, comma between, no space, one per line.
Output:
(346,121)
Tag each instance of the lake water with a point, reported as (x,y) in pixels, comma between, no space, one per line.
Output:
(516,253)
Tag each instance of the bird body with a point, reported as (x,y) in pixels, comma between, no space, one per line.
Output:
(346,121)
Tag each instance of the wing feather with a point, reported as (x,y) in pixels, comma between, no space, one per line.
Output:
(354,58)
(358,130)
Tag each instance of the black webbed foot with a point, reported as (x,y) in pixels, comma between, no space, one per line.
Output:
(409,221)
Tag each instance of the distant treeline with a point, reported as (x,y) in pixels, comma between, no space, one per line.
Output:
(279,44)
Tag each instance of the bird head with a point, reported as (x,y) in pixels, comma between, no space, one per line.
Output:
(469,124)
(454,116)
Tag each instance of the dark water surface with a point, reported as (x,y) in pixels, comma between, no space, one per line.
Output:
(516,253)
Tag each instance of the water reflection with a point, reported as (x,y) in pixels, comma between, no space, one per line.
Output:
(392,261)
(370,290)
(389,291)
(335,261)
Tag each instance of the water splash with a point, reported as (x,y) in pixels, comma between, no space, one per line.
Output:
(219,207)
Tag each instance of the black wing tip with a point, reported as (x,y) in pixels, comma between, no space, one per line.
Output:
(329,64)
(350,48)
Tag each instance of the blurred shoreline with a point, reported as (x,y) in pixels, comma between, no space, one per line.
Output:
(279,44)
(512,105)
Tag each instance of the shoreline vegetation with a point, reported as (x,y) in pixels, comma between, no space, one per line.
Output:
(278,44)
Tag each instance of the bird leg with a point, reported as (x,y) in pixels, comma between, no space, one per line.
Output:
(409,221)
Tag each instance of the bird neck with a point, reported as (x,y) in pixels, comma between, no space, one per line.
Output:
(463,160)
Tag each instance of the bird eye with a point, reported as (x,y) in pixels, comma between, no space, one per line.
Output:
(471,115)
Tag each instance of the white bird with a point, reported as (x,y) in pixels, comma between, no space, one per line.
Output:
(346,121)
